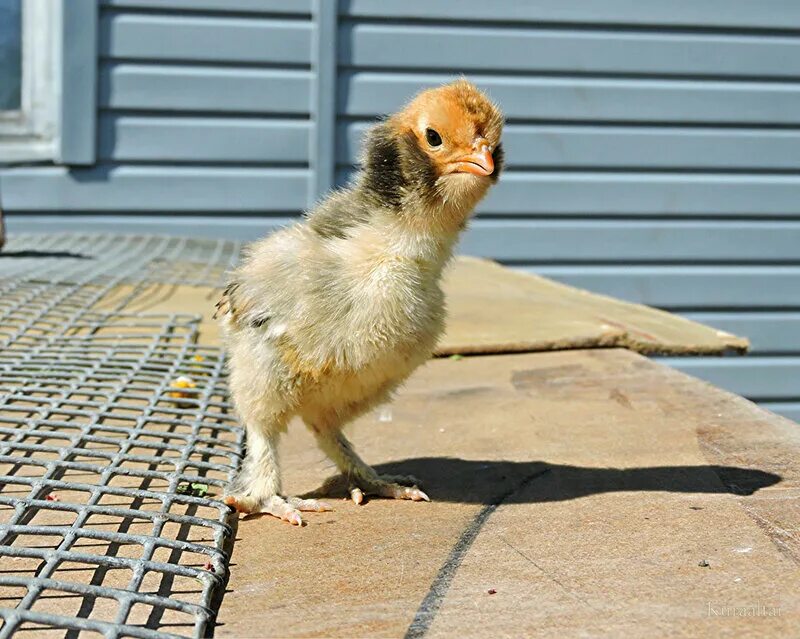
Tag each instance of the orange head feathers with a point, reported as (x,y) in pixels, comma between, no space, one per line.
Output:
(443,149)
(456,126)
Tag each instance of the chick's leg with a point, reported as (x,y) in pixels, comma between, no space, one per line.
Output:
(257,487)
(360,477)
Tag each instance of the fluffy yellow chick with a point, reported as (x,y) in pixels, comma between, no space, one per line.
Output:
(325,319)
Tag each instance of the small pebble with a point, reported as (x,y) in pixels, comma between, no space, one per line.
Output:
(703,563)
(492,591)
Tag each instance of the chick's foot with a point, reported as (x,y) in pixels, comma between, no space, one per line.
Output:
(286,508)
(389,486)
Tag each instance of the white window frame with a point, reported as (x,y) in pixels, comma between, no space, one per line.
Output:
(32,132)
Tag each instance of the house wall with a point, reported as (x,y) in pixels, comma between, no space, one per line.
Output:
(653,148)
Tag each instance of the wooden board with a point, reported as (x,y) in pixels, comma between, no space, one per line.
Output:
(593,492)
(495,310)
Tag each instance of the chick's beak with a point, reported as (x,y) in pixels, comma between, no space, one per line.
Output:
(480,162)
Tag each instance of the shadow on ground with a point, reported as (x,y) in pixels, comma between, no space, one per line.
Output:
(485,482)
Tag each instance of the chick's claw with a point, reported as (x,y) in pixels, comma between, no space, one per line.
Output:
(396,491)
(356,495)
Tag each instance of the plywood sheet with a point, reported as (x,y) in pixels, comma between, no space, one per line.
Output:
(575,493)
(493,309)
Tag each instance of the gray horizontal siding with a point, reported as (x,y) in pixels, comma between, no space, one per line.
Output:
(514,49)
(164,87)
(688,287)
(547,241)
(645,194)
(176,37)
(156,188)
(764,14)
(203,139)
(370,93)
(301,7)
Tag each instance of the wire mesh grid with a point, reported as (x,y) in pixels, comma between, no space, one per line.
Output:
(108,472)
(64,257)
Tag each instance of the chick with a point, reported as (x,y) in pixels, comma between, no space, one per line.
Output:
(325,319)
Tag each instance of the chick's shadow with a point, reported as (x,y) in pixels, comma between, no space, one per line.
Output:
(489,482)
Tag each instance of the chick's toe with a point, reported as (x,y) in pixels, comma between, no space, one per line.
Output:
(289,508)
(389,486)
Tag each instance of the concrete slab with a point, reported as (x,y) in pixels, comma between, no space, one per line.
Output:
(575,493)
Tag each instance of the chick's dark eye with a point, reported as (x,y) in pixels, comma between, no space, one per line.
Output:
(433,137)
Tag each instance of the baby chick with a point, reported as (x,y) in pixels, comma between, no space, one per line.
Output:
(325,319)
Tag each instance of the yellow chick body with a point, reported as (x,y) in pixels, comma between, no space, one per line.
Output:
(326,319)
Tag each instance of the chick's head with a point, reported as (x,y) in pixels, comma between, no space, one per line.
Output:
(443,148)
(457,128)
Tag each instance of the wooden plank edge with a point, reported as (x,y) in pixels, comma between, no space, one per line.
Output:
(633,338)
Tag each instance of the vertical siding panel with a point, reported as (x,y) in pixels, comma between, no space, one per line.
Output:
(77,143)
(323,99)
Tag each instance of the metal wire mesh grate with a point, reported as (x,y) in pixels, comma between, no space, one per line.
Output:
(107,472)
(144,258)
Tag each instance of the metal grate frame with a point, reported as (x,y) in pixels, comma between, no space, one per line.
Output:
(108,521)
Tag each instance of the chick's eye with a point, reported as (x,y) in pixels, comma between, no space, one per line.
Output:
(433,137)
